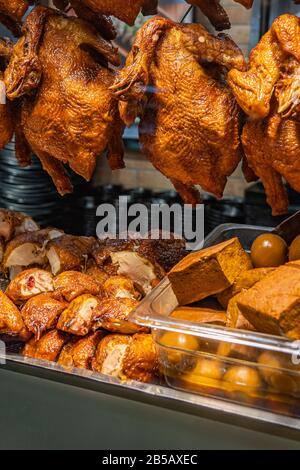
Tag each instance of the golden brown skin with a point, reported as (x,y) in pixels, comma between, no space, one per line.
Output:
(127,357)
(97,274)
(12,12)
(254,89)
(80,353)
(74,116)
(78,318)
(190,120)
(41,313)
(213,10)
(11,322)
(6,111)
(112,315)
(71,284)
(68,252)
(47,348)
(121,287)
(29,283)
(124,12)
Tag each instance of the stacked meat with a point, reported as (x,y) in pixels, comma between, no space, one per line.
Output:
(70,298)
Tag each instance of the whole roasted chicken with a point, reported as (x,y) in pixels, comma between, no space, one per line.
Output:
(269,93)
(6,113)
(60,68)
(174,80)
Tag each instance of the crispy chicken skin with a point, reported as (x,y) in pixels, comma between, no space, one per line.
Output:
(127,357)
(6,111)
(40,313)
(79,316)
(140,360)
(96,273)
(121,287)
(12,12)
(73,117)
(254,88)
(47,348)
(29,283)
(68,252)
(190,120)
(80,353)
(124,12)
(11,322)
(72,284)
(112,315)
(110,354)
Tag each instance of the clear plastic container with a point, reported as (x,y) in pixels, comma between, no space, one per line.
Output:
(241,366)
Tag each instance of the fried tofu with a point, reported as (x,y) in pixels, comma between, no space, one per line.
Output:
(273,304)
(209,271)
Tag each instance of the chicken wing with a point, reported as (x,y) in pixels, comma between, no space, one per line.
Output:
(189,120)
(80,353)
(11,322)
(127,357)
(74,116)
(40,313)
(72,284)
(80,315)
(47,348)
(29,283)
(112,315)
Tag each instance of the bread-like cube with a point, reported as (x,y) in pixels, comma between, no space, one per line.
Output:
(209,271)
(273,304)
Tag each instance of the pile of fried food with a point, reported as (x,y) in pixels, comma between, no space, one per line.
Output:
(202,108)
(69,298)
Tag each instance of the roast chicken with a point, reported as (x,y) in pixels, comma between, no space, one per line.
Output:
(189,118)
(80,353)
(60,69)
(72,284)
(113,315)
(6,112)
(79,316)
(269,93)
(124,12)
(12,12)
(40,313)
(127,357)
(11,322)
(47,348)
(29,283)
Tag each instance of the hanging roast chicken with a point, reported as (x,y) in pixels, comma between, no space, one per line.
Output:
(6,113)
(269,92)
(174,80)
(60,71)
(12,12)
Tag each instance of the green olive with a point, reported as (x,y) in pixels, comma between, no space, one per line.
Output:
(268,250)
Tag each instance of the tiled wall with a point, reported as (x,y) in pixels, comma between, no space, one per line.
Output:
(140,172)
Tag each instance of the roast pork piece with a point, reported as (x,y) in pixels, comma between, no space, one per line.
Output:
(29,283)
(209,271)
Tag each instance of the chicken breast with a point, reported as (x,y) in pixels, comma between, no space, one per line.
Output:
(46,348)
(121,287)
(80,315)
(80,353)
(112,315)
(11,322)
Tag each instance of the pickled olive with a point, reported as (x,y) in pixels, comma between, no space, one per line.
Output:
(294,251)
(279,380)
(268,250)
(243,376)
(209,368)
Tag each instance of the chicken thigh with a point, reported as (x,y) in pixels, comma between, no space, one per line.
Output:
(72,116)
(189,118)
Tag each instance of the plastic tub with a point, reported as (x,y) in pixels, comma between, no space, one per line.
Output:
(244,367)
